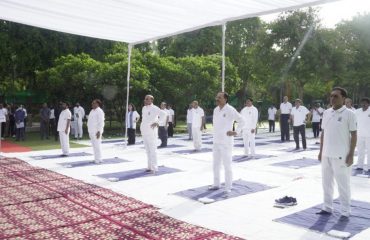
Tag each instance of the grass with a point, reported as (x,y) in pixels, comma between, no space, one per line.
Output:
(34,142)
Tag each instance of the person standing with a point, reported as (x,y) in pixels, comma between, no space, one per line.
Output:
(299,117)
(19,117)
(64,127)
(58,109)
(271,112)
(132,118)
(95,127)
(197,123)
(285,109)
(337,146)
(149,131)
(52,122)
(44,121)
(348,103)
(163,125)
(250,117)
(189,118)
(79,114)
(3,114)
(363,141)
(316,113)
(224,116)
(11,112)
(171,120)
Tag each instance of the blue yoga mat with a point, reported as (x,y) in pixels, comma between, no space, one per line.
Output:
(298,163)
(243,158)
(293,150)
(113,141)
(257,144)
(78,154)
(136,173)
(191,151)
(91,162)
(240,187)
(173,146)
(357,222)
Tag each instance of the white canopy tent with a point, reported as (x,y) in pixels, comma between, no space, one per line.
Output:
(139,21)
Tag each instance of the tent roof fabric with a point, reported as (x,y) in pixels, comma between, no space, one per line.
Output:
(138,21)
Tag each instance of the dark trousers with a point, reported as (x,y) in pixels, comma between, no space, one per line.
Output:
(284,125)
(316,129)
(300,130)
(170,129)
(44,129)
(131,136)
(163,135)
(19,133)
(271,126)
(3,129)
(11,130)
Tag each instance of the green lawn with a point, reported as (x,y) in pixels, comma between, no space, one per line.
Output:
(34,142)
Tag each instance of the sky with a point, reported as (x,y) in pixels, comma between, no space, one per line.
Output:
(332,13)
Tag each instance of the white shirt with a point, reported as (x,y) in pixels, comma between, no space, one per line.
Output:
(52,115)
(189,117)
(223,120)
(337,126)
(271,112)
(352,109)
(64,116)
(171,114)
(150,115)
(163,115)
(3,113)
(363,122)
(78,113)
(95,122)
(197,116)
(135,115)
(299,115)
(285,108)
(317,114)
(250,116)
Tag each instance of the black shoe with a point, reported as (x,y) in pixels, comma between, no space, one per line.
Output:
(297,148)
(287,201)
(359,169)
(323,212)
(64,155)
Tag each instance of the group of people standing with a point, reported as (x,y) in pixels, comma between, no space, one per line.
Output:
(13,121)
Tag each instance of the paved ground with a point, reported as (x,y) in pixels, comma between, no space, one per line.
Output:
(248,216)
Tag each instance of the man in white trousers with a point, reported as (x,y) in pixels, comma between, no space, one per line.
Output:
(363,132)
(95,127)
(64,127)
(250,116)
(338,142)
(149,131)
(224,116)
(78,114)
(197,123)
(189,118)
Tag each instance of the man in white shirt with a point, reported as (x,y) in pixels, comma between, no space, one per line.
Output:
(163,125)
(299,116)
(189,118)
(348,103)
(363,133)
(271,112)
(149,131)
(197,124)
(285,109)
(3,113)
(64,127)
(95,127)
(338,142)
(78,114)
(171,120)
(132,118)
(224,116)
(316,113)
(250,117)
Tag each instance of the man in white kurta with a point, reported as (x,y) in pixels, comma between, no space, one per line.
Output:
(338,142)
(224,116)
(163,125)
(149,131)
(271,115)
(78,114)
(64,127)
(285,109)
(197,124)
(95,127)
(189,118)
(363,133)
(250,116)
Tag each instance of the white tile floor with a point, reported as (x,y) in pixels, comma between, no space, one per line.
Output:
(249,216)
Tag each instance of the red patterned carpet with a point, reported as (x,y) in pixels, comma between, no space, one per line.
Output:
(8,147)
(40,204)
